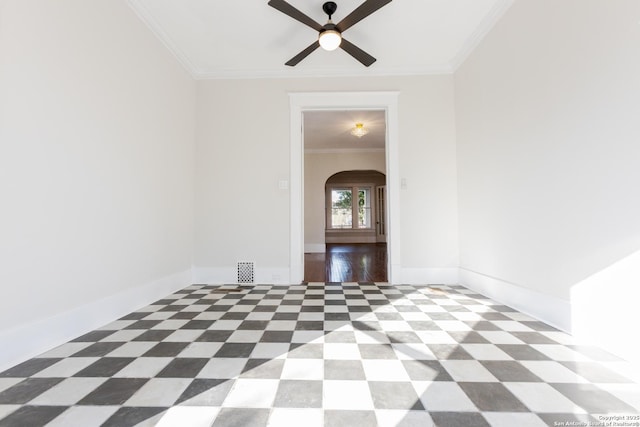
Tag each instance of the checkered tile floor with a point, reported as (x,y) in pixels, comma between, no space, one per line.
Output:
(335,354)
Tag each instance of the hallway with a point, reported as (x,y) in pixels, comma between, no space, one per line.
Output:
(361,262)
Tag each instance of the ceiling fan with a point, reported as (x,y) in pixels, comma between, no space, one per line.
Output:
(330,34)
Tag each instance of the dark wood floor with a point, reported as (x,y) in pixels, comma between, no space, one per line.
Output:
(362,262)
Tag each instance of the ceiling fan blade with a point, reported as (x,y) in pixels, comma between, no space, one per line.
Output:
(287,9)
(299,57)
(361,12)
(357,53)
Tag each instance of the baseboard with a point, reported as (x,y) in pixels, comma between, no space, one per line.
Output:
(26,341)
(228,275)
(315,248)
(428,276)
(549,309)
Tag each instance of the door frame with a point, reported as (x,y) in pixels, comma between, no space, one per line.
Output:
(299,102)
(381,213)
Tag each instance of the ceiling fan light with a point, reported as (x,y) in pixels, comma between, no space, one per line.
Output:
(330,39)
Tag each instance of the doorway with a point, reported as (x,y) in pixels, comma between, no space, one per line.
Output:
(353,244)
(327,101)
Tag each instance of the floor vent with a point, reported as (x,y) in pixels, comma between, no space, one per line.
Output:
(226,290)
(245,272)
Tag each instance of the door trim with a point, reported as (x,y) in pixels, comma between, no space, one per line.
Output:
(300,102)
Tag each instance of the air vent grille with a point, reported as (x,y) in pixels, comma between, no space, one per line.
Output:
(245,272)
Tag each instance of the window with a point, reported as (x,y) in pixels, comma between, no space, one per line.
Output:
(341,208)
(344,208)
(364,208)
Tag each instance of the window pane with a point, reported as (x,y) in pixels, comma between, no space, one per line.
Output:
(364,208)
(341,208)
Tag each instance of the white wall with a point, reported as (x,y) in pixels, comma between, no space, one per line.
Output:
(547,114)
(318,167)
(243,146)
(97,126)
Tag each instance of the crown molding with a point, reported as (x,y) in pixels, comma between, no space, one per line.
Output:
(343,150)
(487,23)
(288,73)
(150,22)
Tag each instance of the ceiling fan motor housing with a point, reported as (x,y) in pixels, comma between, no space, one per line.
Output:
(330,8)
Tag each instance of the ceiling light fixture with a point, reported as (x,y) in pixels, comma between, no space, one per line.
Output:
(330,39)
(329,36)
(359,130)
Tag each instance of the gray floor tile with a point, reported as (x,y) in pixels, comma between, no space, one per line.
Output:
(492,397)
(343,370)
(299,394)
(394,395)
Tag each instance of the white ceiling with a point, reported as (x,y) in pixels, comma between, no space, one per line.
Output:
(328,131)
(248,38)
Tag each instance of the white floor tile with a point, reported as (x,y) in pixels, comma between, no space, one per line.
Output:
(443,396)
(192,416)
(435,337)
(183,335)
(246,336)
(83,416)
(486,352)
(560,353)
(66,350)
(308,337)
(8,409)
(293,417)
(209,315)
(222,368)
(629,393)
(159,392)
(116,325)
(132,349)
(500,337)
(341,351)
(123,335)
(66,367)
(171,324)
(201,349)
(552,372)
(511,326)
(160,315)
(353,395)
(144,367)
(510,419)
(395,325)
(270,350)
(338,325)
(468,371)
(6,383)
(310,316)
(303,369)
(252,393)
(371,337)
(401,418)
(453,325)
(68,392)
(413,351)
(225,325)
(542,398)
(384,370)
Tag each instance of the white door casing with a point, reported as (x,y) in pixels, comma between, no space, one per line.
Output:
(318,101)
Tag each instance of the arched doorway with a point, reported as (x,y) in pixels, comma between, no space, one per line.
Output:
(355,230)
